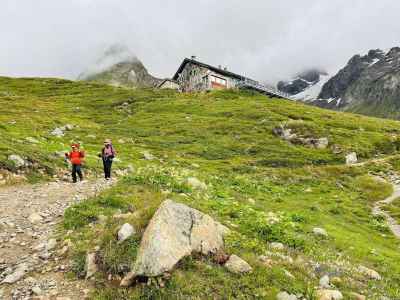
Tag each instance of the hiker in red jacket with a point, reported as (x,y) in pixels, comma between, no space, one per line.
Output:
(107,154)
(76,157)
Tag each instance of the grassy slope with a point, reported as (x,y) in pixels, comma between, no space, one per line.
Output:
(225,139)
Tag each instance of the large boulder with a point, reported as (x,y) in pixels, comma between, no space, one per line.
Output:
(174,232)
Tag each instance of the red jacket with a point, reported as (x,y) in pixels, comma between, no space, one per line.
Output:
(76,157)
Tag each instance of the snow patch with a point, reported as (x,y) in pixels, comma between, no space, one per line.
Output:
(311,93)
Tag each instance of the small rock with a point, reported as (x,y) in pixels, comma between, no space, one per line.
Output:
(285,296)
(102,219)
(35,218)
(58,132)
(288,274)
(320,232)
(356,296)
(36,290)
(32,140)
(351,158)
(17,275)
(90,266)
(125,232)
(321,143)
(196,184)
(277,246)
(51,244)
(237,265)
(68,127)
(336,281)
(324,282)
(147,155)
(371,274)
(17,160)
(329,295)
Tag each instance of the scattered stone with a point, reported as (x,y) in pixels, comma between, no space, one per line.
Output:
(321,143)
(32,140)
(35,218)
(284,133)
(324,282)
(336,281)
(125,232)
(68,127)
(320,231)
(277,246)
(329,295)
(90,265)
(51,244)
(351,158)
(356,296)
(102,219)
(36,290)
(371,274)
(196,184)
(288,274)
(18,161)
(174,232)
(272,218)
(17,275)
(285,296)
(147,155)
(237,265)
(58,132)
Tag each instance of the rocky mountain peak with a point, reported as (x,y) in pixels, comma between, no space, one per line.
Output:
(119,66)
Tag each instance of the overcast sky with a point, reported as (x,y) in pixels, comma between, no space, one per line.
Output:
(264,39)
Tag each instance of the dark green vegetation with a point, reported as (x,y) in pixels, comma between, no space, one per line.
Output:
(224,139)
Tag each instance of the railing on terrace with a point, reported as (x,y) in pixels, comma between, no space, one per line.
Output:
(252,84)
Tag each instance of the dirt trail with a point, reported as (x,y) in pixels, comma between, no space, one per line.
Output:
(377,210)
(28,218)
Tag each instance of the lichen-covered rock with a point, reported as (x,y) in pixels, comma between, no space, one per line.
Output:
(175,231)
(237,265)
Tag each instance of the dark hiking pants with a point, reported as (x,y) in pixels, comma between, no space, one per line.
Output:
(107,168)
(76,169)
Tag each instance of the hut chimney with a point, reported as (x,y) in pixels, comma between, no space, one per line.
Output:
(193,57)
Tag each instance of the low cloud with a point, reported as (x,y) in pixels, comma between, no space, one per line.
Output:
(262,39)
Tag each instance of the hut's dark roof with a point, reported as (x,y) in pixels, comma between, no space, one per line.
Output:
(215,69)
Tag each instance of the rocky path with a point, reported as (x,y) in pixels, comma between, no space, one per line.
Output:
(31,259)
(377,210)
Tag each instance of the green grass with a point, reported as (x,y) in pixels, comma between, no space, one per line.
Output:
(225,139)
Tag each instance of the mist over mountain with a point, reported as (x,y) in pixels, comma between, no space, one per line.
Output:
(118,66)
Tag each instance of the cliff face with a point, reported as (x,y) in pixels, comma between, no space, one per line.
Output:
(367,84)
(119,67)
